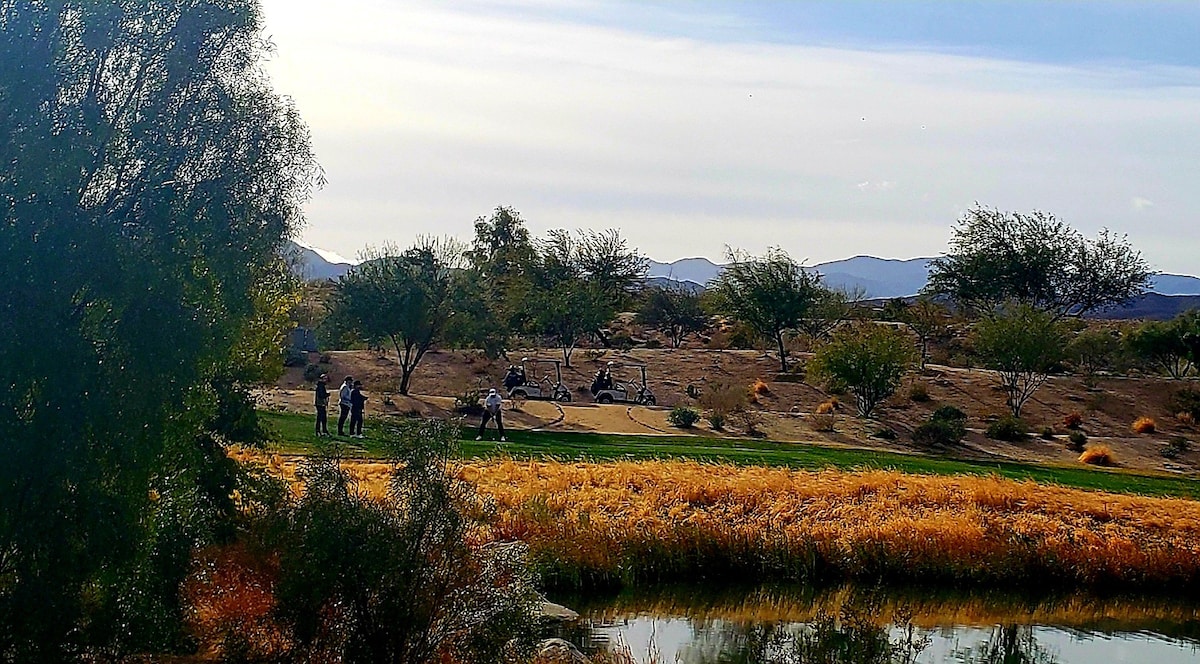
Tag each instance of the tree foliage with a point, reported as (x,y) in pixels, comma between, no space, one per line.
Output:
(996,257)
(928,320)
(770,293)
(578,283)
(149,178)
(869,359)
(1172,347)
(675,311)
(1023,345)
(405,298)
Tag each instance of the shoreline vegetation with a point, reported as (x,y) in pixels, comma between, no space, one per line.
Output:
(608,524)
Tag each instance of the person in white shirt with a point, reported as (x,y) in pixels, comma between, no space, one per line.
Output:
(345,402)
(491,410)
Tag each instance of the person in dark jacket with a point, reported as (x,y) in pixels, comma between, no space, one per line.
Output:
(322,403)
(358,403)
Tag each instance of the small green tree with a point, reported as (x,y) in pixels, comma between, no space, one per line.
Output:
(675,311)
(928,320)
(1022,344)
(867,358)
(404,298)
(1172,346)
(1092,350)
(770,293)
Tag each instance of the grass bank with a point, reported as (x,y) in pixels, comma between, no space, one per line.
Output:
(652,521)
(293,435)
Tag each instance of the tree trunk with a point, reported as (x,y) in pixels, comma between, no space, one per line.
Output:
(782,352)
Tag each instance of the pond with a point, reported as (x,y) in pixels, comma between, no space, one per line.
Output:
(774,625)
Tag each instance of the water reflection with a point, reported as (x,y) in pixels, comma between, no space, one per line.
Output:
(874,626)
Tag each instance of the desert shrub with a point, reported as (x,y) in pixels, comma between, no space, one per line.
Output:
(1007,428)
(716,420)
(312,372)
(939,433)
(621,340)
(867,359)
(468,401)
(1076,440)
(720,400)
(830,405)
(683,417)
(948,413)
(1186,418)
(1072,420)
(294,357)
(1099,455)
(742,337)
(760,387)
(325,358)
(1048,433)
(919,392)
(394,579)
(1176,446)
(653,343)
(884,433)
(1186,400)
(823,421)
(1144,425)
(750,421)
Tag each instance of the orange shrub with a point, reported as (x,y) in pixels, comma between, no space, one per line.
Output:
(1143,425)
(1186,418)
(1098,456)
(760,387)
(1072,420)
(826,407)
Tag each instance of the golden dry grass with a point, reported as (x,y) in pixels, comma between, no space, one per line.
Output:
(625,521)
(1144,425)
(1099,455)
(664,519)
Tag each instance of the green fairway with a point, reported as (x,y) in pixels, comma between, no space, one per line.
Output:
(293,434)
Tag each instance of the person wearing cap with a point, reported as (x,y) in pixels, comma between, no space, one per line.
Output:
(358,403)
(322,403)
(345,402)
(491,410)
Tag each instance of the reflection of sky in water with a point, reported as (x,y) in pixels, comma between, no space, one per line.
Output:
(678,640)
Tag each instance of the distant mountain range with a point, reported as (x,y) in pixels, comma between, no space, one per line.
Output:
(878,278)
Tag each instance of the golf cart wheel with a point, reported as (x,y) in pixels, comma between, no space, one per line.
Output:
(605,398)
(519,394)
(649,401)
(564,396)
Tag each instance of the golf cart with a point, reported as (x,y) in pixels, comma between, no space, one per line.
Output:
(533,381)
(632,390)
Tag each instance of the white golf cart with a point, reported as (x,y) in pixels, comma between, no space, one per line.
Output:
(631,390)
(534,381)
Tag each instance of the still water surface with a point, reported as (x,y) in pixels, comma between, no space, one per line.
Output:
(795,626)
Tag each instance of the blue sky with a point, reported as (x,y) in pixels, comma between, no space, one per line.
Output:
(829,129)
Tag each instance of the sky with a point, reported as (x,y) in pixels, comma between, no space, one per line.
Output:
(829,129)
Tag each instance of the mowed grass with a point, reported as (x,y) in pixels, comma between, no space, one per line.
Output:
(293,434)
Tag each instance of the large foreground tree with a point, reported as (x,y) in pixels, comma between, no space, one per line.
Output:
(148,178)
(998,257)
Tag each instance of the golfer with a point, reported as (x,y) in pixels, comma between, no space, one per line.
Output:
(491,409)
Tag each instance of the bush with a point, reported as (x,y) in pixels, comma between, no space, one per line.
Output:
(294,357)
(395,579)
(1048,433)
(1076,440)
(1144,425)
(1072,420)
(949,414)
(1098,456)
(653,343)
(469,402)
(829,406)
(716,420)
(1007,428)
(683,417)
(939,433)
(885,433)
(823,421)
(312,372)
(918,392)
(1186,400)
(1176,446)
(760,387)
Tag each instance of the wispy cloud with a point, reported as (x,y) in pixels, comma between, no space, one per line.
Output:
(426,117)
